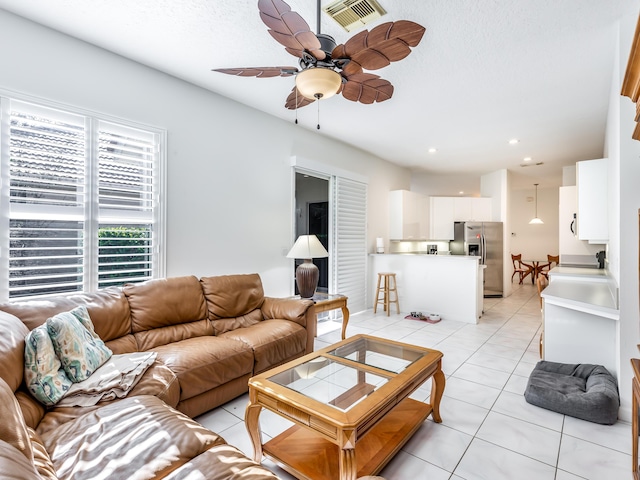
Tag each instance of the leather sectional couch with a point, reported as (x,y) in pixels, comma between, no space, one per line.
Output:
(210,336)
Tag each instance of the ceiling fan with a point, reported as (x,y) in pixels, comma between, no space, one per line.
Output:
(327,68)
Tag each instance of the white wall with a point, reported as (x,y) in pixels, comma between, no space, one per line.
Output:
(229,175)
(624,200)
(534,242)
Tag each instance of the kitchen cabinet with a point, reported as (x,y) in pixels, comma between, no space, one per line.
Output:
(442,218)
(471,209)
(408,215)
(568,241)
(592,184)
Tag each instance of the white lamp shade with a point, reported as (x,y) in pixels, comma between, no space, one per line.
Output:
(318,81)
(307,246)
(536,221)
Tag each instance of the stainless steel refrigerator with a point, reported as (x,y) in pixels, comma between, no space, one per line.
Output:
(483,239)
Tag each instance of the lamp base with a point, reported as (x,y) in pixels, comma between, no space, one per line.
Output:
(307,275)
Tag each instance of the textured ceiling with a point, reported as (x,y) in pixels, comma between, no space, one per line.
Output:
(486,71)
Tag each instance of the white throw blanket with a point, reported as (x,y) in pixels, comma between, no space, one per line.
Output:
(114,379)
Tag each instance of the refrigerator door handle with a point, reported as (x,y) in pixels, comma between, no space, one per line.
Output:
(483,259)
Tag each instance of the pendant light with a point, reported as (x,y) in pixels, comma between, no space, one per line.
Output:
(536,220)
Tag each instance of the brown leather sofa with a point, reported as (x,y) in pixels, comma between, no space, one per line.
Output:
(210,334)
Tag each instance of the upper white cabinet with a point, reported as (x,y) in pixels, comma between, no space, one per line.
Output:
(413,216)
(568,241)
(442,218)
(471,209)
(593,217)
(408,215)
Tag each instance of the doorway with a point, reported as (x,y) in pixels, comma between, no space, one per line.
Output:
(312,218)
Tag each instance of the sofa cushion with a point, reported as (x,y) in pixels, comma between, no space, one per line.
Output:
(232,296)
(174,333)
(234,466)
(44,374)
(13,333)
(108,308)
(13,430)
(165,301)
(134,438)
(41,459)
(203,363)
(14,466)
(273,342)
(77,345)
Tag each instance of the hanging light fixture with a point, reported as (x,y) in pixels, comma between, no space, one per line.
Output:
(536,220)
(318,83)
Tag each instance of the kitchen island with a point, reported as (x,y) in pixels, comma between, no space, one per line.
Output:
(449,285)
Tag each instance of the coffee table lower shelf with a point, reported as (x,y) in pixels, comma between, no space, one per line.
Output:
(308,456)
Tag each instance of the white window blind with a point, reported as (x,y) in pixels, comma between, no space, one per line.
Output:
(82,203)
(126,199)
(350,242)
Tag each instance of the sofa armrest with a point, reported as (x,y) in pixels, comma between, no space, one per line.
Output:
(299,311)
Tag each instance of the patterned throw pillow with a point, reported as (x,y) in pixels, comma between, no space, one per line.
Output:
(77,345)
(44,376)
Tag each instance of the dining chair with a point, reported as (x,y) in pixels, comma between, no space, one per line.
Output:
(519,267)
(551,259)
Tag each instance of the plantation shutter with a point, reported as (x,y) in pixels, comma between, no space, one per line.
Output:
(350,243)
(81,205)
(126,198)
(47,152)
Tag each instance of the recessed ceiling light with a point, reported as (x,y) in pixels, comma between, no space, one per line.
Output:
(461,192)
(527,159)
(514,141)
(432,150)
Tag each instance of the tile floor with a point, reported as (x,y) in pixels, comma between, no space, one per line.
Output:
(488,430)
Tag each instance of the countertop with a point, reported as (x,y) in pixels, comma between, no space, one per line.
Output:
(589,290)
(429,255)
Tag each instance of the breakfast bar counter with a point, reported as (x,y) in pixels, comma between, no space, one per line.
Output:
(448,285)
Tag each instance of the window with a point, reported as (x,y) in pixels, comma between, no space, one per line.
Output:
(79,204)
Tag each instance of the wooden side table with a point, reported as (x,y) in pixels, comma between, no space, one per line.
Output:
(331,301)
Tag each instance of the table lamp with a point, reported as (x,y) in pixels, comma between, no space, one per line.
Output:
(307,247)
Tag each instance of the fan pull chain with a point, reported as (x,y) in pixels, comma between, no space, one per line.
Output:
(318,126)
(296,105)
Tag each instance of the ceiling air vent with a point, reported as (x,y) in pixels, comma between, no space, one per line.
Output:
(352,14)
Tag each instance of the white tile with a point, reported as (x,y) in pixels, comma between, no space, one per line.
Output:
(502,351)
(524,369)
(481,375)
(461,416)
(614,436)
(217,419)
(453,357)
(522,437)
(485,461)
(404,466)
(562,475)
(493,362)
(238,436)
(237,406)
(516,384)
(438,444)
(273,424)
(282,475)
(471,392)
(592,461)
(516,406)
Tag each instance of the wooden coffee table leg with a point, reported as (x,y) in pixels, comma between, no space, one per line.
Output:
(345,320)
(437,389)
(348,464)
(251,416)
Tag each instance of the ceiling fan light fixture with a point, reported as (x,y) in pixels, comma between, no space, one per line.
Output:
(318,83)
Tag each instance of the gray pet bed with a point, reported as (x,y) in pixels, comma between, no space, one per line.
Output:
(588,392)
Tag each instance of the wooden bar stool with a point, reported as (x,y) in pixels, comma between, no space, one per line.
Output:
(386,285)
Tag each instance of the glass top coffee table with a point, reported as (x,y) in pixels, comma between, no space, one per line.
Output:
(350,406)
